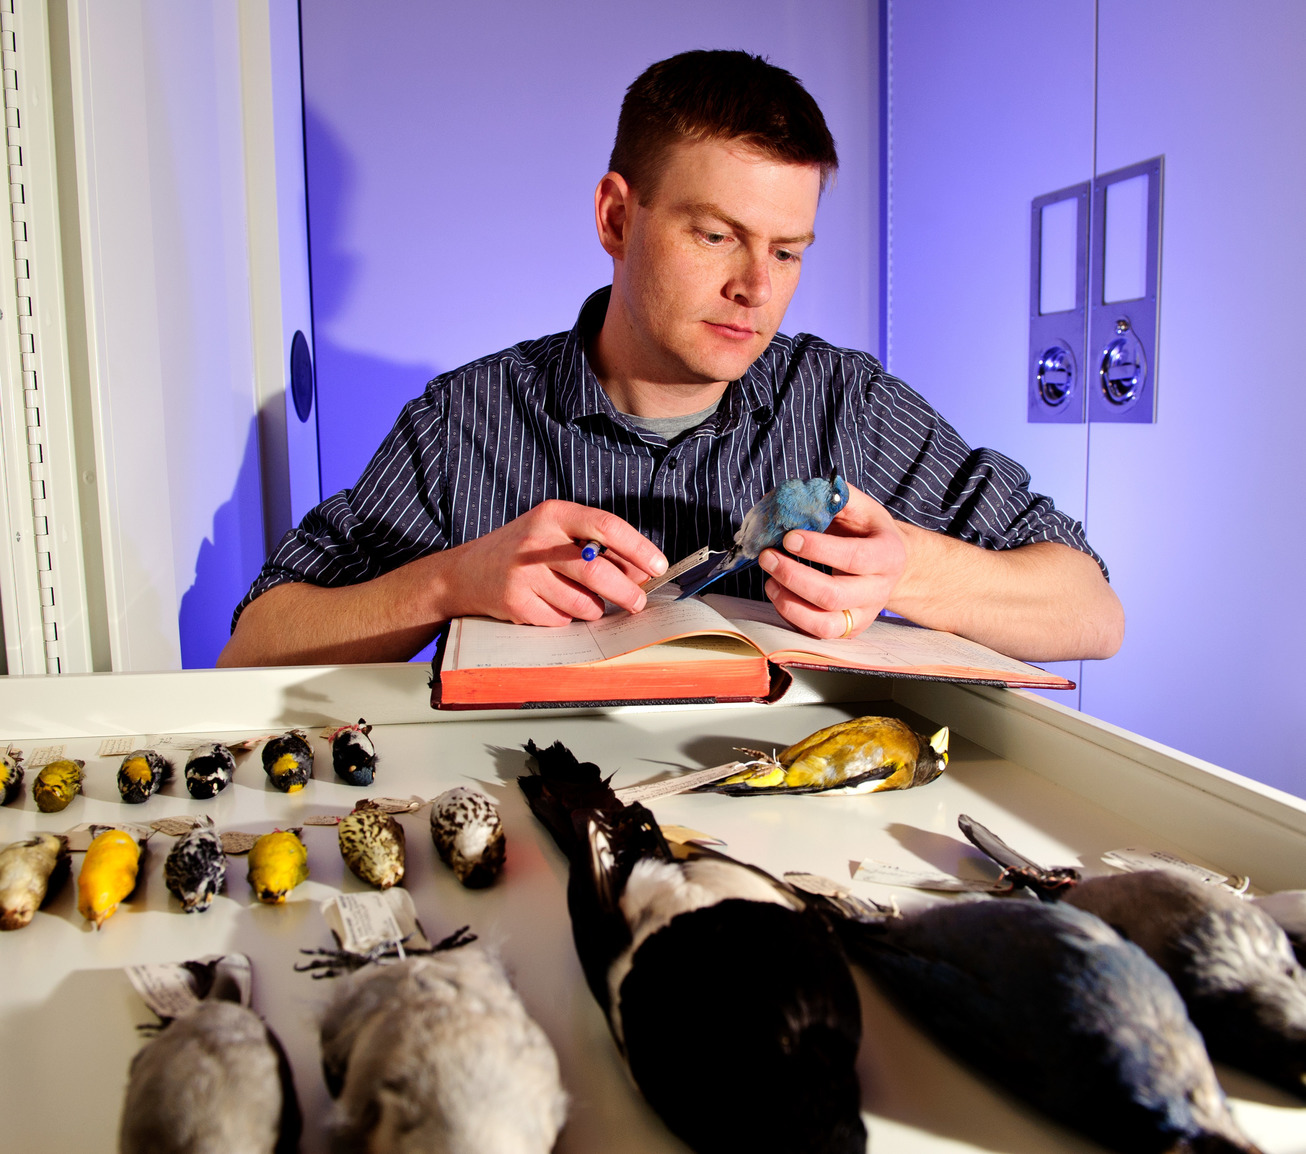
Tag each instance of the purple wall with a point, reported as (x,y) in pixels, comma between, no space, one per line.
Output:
(453,152)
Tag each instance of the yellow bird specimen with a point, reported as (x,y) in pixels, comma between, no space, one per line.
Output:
(864,755)
(108,875)
(278,862)
(57,784)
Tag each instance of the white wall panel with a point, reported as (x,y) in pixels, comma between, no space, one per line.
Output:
(1202,513)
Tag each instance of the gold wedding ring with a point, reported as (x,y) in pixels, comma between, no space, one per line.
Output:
(848,624)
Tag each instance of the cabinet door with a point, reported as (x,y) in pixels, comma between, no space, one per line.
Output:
(988,106)
(1201,514)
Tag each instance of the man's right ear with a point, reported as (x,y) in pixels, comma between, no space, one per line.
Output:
(612,200)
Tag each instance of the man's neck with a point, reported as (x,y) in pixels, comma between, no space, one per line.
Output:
(635,393)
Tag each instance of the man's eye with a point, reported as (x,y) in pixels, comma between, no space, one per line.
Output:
(784,256)
(714,237)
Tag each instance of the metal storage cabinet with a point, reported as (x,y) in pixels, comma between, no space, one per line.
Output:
(1061,786)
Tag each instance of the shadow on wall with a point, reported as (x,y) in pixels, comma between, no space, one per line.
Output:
(358,394)
(227,564)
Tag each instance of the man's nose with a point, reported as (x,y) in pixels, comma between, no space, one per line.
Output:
(751,283)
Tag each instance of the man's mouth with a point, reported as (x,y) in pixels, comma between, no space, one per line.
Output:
(730,331)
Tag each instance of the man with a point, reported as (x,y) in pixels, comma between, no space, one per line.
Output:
(659,420)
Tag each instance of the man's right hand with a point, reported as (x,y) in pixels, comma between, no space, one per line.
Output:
(531,570)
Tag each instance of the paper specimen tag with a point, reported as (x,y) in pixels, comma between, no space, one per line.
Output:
(322,819)
(1288,908)
(816,884)
(172,989)
(176,826)
(683,835)
(236,841)
(671,786)
(397,804)
(81,836)
(120,746)
(44,754)
(362,922)
(870,870)
(1133,860)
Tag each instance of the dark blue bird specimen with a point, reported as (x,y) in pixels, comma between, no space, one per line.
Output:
(1054,1005)
(353,756)
(721,947)
(794,504)
(1231,962)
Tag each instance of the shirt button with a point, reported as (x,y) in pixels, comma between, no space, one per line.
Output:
(671,462)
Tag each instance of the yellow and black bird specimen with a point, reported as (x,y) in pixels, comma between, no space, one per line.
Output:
(143,772)
(209,770)
(353,754)
(214,1081)
(108,876)
(863,755)
(437,1052)
(57,784)
(11,774)
(709,941)
(288,761)
(196,868)
(278,862)
(1232,964)
(372,844)
(468,836)
(1054,1005)
(29,870)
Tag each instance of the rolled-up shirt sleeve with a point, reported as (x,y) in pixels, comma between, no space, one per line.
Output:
(927,475)
(394,514)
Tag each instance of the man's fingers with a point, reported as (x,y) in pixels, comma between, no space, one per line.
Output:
(862,515)
(821,590)
(581,523)
(606,578)
(813,620)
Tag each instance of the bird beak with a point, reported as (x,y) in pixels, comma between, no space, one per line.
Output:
(939,743)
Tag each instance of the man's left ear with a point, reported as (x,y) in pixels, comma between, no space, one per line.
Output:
(611,201)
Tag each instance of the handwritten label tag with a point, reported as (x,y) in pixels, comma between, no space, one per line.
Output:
(870,870)
(683,835)
(362,922)
(171,989)
(120,746)
(176,826)
(235,841)
(44,754)
(322,819)
(1133,860)
(398,804)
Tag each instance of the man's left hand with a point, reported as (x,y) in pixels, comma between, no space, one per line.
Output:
(867,552)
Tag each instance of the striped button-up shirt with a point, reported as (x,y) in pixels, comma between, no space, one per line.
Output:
(489,441)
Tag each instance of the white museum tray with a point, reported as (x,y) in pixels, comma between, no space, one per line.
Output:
(1061,787)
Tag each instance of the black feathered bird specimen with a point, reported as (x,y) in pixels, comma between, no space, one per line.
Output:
(1050,1002)
(1231,962)
(706,947)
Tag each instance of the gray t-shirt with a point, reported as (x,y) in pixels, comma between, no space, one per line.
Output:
(671,429)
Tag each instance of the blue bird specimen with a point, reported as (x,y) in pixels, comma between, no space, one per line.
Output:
(793,504)
(1051,1003)
(698,938)
(1232,964)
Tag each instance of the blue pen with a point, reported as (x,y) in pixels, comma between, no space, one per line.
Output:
(591,549)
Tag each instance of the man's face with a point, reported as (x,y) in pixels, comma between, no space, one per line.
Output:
(709,265)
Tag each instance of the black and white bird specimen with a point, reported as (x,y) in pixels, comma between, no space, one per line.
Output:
(437,1053)
(1051,1003)
(1230,961)
(353,755)
(209,770)
(468,836)
(708,946)
(196,868)
(214,1081)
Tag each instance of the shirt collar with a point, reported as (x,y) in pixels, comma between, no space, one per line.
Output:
(580,394)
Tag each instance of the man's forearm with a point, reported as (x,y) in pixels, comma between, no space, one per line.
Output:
(386,619)
(1039,602)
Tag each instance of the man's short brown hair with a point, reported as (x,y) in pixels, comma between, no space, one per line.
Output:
(717,95)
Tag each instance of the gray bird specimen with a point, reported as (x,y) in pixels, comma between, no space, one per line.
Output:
(215,1081)
(793,504)
(468,836)
(436,1054)
(1231,962)
(1050,1002)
